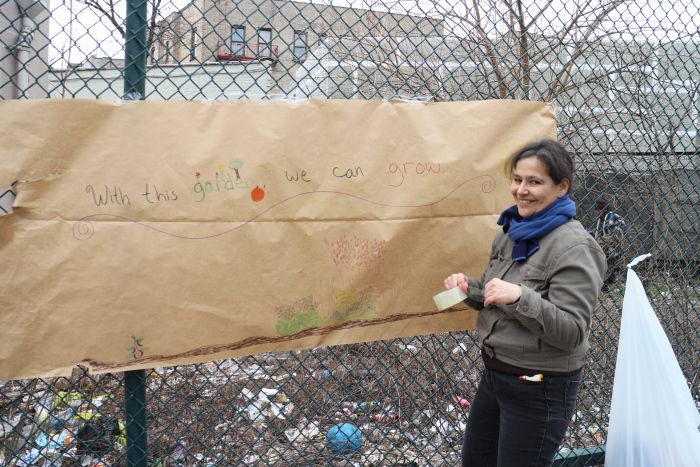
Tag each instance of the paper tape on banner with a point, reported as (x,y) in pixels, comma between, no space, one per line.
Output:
(449,298)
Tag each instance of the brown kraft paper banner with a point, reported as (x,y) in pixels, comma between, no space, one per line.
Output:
(150,234)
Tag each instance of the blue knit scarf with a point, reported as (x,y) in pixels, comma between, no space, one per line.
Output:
(526,232)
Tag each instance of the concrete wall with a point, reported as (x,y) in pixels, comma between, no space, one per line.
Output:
(172,82)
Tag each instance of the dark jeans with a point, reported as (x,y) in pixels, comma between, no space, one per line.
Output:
(518,423)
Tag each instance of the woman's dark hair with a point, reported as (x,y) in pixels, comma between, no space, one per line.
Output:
(552,154)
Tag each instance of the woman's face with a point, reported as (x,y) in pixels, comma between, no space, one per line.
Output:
(532,187)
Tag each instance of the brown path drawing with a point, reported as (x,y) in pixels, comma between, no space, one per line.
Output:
(257,340)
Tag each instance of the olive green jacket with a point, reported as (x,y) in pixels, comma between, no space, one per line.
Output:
(547,328)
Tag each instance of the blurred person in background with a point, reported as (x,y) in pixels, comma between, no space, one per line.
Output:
(535,302)
(609,232)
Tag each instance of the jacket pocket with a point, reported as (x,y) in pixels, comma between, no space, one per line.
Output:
(534,278)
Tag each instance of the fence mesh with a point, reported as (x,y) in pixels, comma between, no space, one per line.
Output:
(624,77)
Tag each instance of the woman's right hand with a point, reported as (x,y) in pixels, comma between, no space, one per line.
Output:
(457,280)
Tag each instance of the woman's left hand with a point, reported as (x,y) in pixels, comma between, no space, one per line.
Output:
(500,292)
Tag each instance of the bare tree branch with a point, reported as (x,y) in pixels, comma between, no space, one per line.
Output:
(524,57)
(109,12)
(490,52)
(155,11)
(108,9)
(565,74)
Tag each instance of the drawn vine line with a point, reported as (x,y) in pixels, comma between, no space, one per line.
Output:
(258,340)
(84,230)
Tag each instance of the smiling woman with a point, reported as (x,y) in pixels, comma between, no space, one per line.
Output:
(532,187)
(535,302)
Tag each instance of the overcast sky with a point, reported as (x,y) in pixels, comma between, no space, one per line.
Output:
(77,31)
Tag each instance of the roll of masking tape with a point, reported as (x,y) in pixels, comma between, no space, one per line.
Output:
(449,298)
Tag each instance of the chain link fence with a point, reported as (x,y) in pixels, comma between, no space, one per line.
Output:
(624,77)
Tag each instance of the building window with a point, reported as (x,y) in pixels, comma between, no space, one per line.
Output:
(300,45)
(264,42)
(167,52)
(238,41)
(193,38)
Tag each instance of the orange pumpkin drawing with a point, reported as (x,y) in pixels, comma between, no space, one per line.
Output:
(257,194)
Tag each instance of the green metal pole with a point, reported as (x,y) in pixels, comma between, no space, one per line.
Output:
(135,51)
(135,408)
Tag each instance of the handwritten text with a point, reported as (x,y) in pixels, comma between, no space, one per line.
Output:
(400,171)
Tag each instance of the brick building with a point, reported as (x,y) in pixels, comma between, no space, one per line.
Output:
(278,31)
